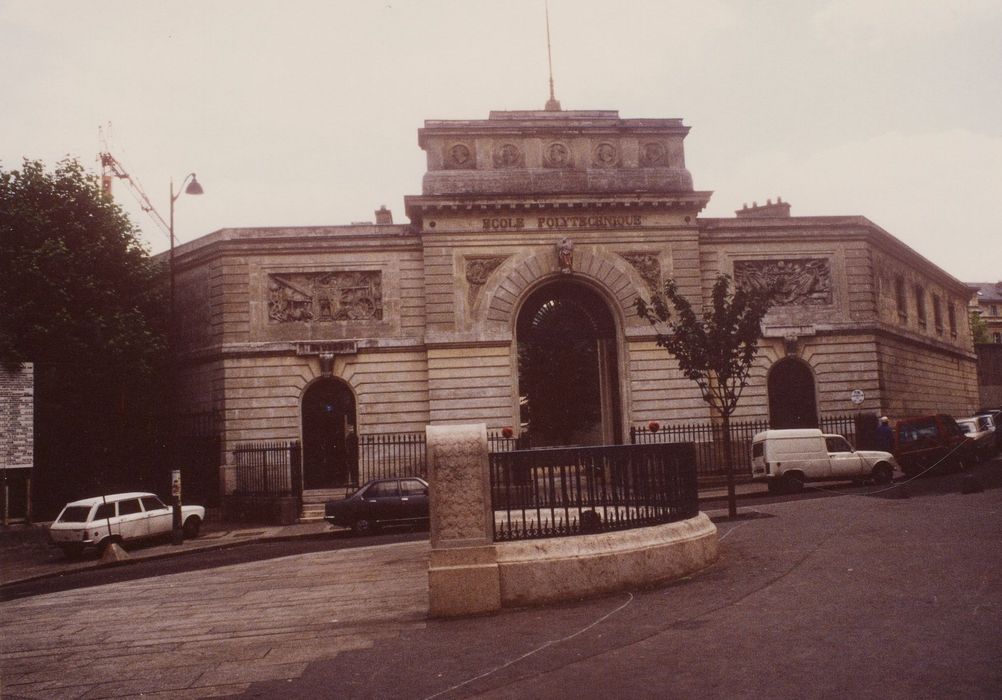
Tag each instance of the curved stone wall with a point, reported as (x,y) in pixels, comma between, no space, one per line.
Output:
(565,568)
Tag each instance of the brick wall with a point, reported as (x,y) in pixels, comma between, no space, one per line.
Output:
(17,402)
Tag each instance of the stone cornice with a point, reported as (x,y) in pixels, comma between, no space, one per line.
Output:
(567,123)
(293,240)
(847,228)
(294,348)
(689,201)
(644,334)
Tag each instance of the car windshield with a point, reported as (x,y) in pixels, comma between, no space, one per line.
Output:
(74,514)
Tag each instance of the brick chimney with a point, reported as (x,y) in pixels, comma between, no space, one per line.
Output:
(384,215)
(777,209)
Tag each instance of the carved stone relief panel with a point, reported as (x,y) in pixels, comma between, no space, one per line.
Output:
(798,282)
(508,155)
(478,271)
(325,296)
(648,266)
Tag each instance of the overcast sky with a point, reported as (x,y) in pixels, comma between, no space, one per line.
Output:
(306,113)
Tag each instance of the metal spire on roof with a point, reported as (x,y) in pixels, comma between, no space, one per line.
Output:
(552,104)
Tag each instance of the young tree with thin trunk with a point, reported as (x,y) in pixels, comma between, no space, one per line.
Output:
(715,349)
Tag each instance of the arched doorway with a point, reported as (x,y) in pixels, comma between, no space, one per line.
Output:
(792,402)
(330,445)
(567,367)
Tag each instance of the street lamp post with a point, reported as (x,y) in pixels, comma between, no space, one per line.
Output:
(177,533)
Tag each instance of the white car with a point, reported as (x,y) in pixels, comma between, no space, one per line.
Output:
(119,517)
(980,430)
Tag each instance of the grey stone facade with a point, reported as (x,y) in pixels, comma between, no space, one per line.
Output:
(417,322)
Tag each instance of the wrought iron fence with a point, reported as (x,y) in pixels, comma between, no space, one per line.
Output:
(556,492)
(498,442)
(384,455)
(269,468)
(708,441)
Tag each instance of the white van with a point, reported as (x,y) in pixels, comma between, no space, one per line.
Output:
(785,459)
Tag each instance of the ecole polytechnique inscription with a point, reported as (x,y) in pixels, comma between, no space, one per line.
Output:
(325,296)
(796,282)
(599,221)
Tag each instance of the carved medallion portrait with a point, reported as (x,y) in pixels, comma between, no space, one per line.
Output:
(606,155)
(557,155)
(652,153)
(508,155)
(460,156)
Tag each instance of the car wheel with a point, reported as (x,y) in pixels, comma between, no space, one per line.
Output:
(363,526)
(106,542)
(192,526)
(883,474)
(72,551)
(793,482)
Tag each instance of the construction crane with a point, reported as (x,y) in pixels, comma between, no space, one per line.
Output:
(111,169)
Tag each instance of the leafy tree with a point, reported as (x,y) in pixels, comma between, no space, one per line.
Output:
(979,329)
(715,349)
(85,303)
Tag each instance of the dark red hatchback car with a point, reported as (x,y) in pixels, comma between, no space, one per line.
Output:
(927,443)
(402,501)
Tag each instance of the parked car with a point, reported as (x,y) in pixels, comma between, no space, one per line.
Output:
(785,459)
(992,418)
(924,443)
(118,517)
(402,501)
(981,433)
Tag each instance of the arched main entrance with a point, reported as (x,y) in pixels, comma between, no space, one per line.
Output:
(792,402)
(567,367)
(330,445)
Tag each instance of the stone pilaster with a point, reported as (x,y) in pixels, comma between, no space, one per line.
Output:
(463,571)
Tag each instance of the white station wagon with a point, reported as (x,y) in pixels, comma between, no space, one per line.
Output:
(120,517)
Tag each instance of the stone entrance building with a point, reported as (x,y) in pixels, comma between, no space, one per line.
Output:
(508,299)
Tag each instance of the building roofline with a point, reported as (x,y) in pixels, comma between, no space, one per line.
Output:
(780,227)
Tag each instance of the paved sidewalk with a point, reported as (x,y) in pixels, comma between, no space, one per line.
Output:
(25,553)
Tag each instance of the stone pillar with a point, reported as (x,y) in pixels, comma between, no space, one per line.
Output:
(463,577)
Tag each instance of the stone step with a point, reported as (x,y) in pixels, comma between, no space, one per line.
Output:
(324,495)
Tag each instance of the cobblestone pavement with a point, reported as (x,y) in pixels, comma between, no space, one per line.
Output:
(857,595)
(210,633)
